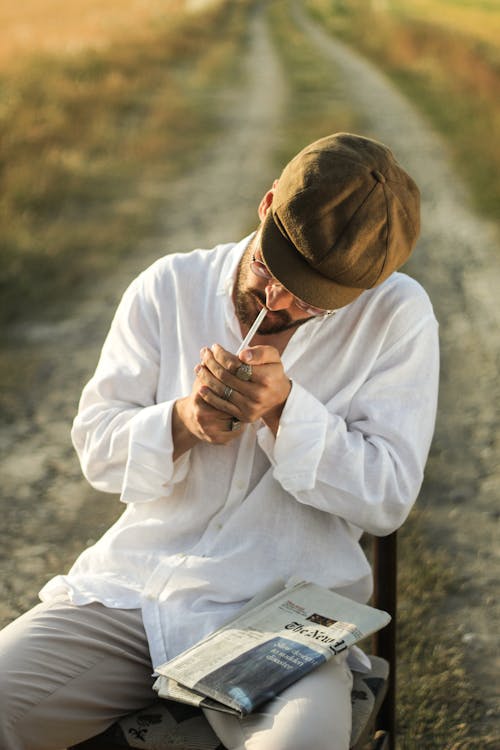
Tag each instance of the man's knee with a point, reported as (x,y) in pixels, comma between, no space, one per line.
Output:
(316,733)
(22,682)
(313,712)
(318,711)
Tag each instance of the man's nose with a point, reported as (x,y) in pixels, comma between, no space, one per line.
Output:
(277,297)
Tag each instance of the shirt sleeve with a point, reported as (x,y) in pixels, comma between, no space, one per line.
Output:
(123,438)
(366,467)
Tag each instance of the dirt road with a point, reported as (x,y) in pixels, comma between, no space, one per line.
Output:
(48,511)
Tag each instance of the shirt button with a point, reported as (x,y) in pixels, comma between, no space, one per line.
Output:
(240,485)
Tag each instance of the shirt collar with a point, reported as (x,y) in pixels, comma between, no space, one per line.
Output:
(230,267)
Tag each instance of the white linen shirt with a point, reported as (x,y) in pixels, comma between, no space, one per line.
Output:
(202,535)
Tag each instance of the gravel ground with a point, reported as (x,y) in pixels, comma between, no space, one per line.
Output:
(48,511)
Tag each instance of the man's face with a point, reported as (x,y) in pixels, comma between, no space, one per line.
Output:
(253,292)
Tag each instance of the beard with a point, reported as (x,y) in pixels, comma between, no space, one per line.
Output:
(249,302)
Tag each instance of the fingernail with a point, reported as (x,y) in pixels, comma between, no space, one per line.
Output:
(248,356)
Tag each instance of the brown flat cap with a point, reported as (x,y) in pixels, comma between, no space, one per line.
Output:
(344,216)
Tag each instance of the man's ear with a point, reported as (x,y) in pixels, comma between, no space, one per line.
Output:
(266,201)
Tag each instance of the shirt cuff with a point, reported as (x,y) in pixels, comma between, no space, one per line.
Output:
(299,444)
(150,471)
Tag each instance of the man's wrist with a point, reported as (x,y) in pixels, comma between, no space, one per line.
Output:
(272,417)
(182,437)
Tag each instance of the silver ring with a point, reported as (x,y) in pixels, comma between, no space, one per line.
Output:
(235,424)
(227,393)
(244,372)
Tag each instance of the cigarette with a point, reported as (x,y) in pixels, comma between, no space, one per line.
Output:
(253,330)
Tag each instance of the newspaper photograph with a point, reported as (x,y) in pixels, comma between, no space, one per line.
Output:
(266,648)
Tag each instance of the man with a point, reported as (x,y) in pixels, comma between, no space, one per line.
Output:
(237,471)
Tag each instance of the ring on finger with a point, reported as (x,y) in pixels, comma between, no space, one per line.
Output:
(244,372)
(227,392)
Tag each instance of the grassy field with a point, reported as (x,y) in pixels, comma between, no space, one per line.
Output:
(477,19)
(85,134)
(445,54)
(57,26)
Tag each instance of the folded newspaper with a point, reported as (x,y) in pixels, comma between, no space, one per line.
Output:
(266,648)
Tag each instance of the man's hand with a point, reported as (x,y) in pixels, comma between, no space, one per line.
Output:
(262,397)
(218,397)
(194,420)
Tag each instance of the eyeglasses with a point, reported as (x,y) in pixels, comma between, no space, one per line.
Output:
(260,269)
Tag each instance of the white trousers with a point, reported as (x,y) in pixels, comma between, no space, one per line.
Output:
(67,673)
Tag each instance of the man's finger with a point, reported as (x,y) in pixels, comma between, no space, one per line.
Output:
(225,359)
(260,355)
(206,377)
(221,373)
(221,404)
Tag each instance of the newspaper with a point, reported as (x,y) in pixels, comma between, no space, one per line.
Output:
(266,648)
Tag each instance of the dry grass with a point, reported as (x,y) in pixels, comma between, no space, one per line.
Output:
(479,19)
(446,57)
(56,26)
(83,136)
(438,707)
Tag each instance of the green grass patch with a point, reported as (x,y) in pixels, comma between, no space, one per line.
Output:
(452,74)
(83,138)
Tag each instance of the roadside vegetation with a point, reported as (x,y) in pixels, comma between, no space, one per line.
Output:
(87,138)
(445,55)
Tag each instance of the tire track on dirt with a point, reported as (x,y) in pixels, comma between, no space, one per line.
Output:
(49,511)
(458,262)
